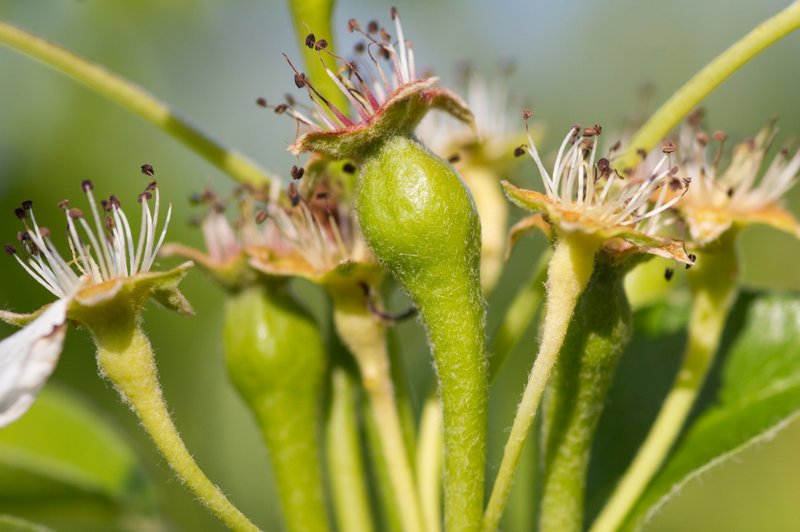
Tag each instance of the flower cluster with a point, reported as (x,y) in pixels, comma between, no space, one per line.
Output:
(721,197)
(107,270)
(585,193)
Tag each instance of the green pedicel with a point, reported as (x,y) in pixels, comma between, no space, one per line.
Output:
(421,222)
(276,360)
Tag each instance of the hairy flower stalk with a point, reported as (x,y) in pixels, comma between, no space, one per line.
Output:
(103,286)
(719,204)
(587,208)
(403,185)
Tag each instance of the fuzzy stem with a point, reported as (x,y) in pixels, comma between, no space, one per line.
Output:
(349,493)
(519,315)
(705,81)
(125,358)
(714,287)
(429,463)
(136,100)
(575,398)
(567,276)
(365,337)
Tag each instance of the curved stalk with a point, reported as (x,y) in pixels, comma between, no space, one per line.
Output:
(705,81)
(136,100)
(365,337)
(714,287)
(349,493)
(597,335)
(519,315)
(125,357)
(568,273)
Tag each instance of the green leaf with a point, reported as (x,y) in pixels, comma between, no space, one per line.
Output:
(759,394)
(63,460)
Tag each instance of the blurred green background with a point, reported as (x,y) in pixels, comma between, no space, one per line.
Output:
(575,62)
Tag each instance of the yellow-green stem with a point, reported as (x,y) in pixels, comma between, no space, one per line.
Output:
(136,100)
(705,81)
(568,273)
(430,455)
(125,357)
(349,493)
(713,282)
(365,337)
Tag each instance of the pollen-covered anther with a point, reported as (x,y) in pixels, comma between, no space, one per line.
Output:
(148,170)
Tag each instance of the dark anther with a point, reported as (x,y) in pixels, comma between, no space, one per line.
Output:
(109,223)
(668,146)
(604,167)
(261,217)
(322,195)
(63,204)
(597,128)
(144,196)
(692,257)
(616,146)
(321,44)
(310,40)
(148,170)
(196,198)
(592,131)
(385,53)
(668,273)
(87,185)
(641,152)
(526,114)
(701,138)
(673,170)
(385,35)
(27,204)
(454,158)
(104,204)
(45,232)
(114,201)
(294,196)
(372,26)
(152,185)
(360,47)
(349,168)
(21,213)
(297,172)
(75,213)
(394,12)
(696,117)
(261,102)
(353,25)
(730,192)
(300,80)
(382,314)
(281,108)
(10,250)
(519,151)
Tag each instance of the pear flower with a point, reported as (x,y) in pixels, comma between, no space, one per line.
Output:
(308,231)
(585,194)
(387,94)
(105,270)
(723,197)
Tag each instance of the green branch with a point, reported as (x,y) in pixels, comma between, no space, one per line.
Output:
(134,99)
(705,81)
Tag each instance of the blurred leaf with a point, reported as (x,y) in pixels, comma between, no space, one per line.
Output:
(14,524)
(64,461)
(758,395)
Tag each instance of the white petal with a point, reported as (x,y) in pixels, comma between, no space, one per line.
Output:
(28,357)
